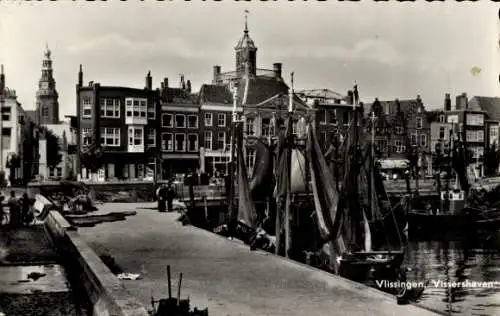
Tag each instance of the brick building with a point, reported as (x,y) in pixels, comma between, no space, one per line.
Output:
(332,113)
(470,122)
(261,98)
(123,121)
(180,129)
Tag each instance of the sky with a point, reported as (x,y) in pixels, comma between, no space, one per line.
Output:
(391,50)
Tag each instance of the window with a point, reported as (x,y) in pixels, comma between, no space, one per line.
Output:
(180,120)
(55,172)
(44,113)
(208,119)
(442,132)
(250,161)
(221,120)
(441,118)
(413,139)
(110,136)
(399,147)
(474,119)
(180,142)
(6,137)
(333,117)
(192,121)
(423,140)
(399,130)
(6,113)
(167,120)
(295,125)
(151,111)
(480,136)
(266,127)
(221,140)
(208,140)
(193,142)
(452,119)
(419,122)
(86,136)
(345,118)
(151,139)
(136,107)
(322,117)
(250,126)
(110,108)
(87,107)
(135,136)
(474,136)
(167,142)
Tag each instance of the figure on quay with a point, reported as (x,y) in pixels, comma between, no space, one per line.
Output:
(170,195)
(14,209)
(162,197)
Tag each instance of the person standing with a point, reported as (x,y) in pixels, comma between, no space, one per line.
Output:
(170,195)
(2,212)
(15,215)
(25,209)
(162,199)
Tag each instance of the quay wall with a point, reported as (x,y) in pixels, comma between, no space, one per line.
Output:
(106,293)
(135,191)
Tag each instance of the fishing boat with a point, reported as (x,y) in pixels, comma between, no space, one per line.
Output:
(341,212)
(452,213)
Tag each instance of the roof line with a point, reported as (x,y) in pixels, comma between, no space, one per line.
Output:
(267,100)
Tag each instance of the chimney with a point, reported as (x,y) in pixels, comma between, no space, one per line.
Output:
(461,102)
(216,73)
(447,102)
(165,82)
(149,81)
(277,70)
(2,79)
(188,87)
(80,76)
(91,83)
(182,83)
(162,86)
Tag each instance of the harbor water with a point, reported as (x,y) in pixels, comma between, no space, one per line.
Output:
(463,275)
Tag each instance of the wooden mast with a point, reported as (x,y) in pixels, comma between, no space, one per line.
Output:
(289,141)
(372,165)
(232,210)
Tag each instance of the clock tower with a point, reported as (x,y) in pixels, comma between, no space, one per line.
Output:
(47,105)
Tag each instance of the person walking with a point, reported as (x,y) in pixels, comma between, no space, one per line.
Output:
(25,209)
(162,199)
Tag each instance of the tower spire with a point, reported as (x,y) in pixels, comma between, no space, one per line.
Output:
(246,21)
(47,50)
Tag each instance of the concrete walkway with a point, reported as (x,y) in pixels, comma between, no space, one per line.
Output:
(226,276)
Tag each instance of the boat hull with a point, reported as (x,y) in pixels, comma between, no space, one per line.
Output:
(368,267)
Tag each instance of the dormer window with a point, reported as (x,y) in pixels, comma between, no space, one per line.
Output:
(441,118)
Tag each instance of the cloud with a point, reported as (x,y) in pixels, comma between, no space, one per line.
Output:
(119,44)
(374,50)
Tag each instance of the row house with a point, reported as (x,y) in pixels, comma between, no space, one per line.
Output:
(124,122)
(216,107)
(180,130)
(401,127)
(332,114)
(470,123)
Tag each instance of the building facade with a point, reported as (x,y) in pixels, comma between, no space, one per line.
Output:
(47,105)
(180,130)
(66,133)
(261,99)
(470,122)
(122,120)
(16,130)
(332,114)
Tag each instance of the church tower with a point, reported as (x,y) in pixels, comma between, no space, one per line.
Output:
(246,53)
(47,105)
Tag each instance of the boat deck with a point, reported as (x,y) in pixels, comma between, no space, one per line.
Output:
(224,275)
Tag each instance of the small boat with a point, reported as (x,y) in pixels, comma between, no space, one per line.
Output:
(174,305)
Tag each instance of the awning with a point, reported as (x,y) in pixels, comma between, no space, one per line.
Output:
(394,163)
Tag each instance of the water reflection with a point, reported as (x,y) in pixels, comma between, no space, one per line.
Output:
(456,261)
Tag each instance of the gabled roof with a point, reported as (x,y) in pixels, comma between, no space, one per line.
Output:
(491,105)
(178,95)
(256,89)
(321,93)
(211,93)
(282,102)
(433,116)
